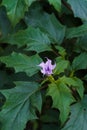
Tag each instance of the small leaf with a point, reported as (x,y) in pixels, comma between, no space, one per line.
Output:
(74,82)
(56,4)
(79,8)
(61,51)
(81,44)
(22,63)
(62,98)
(61,65)
(20,106)
(80,62)
(78,117)
(76,31)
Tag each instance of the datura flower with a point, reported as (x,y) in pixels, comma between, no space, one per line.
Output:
(47,67)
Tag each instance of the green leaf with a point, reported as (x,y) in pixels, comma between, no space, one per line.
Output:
(62,98)
(80,62)
(35,39)
(16,9)
(61,51)
(74,82)
(81,44)
(76,31)
(5,25)
(29,2)
(79,8)
(61,65)
(20,106)
(47,23)
(85,77)
(22,63)
(56,4)
(78,117)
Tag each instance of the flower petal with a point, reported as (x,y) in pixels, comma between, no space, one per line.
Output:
(43,71)
(53,66)
(42,65)
(48,63)
(47,67)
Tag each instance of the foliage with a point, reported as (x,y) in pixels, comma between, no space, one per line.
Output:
(78,109)
(30,32)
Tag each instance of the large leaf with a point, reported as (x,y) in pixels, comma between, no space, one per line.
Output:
(16,9)
(22,63)
(78,117)
(46,22)
(20,106)
(33,38)
(76,31)
(62,98)
(56,4)
(80,62)
(79,7)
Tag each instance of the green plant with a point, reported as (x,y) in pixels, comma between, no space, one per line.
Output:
(31,32)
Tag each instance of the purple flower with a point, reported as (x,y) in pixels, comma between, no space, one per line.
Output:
(47,67)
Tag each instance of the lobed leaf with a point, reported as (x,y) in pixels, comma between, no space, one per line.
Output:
(79,8)
(75,83)
(16,9)
(78,117)
(22,63)
(34,39)
(80,62)
(47,23)
(76,31)
(20,106)
(62,98)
